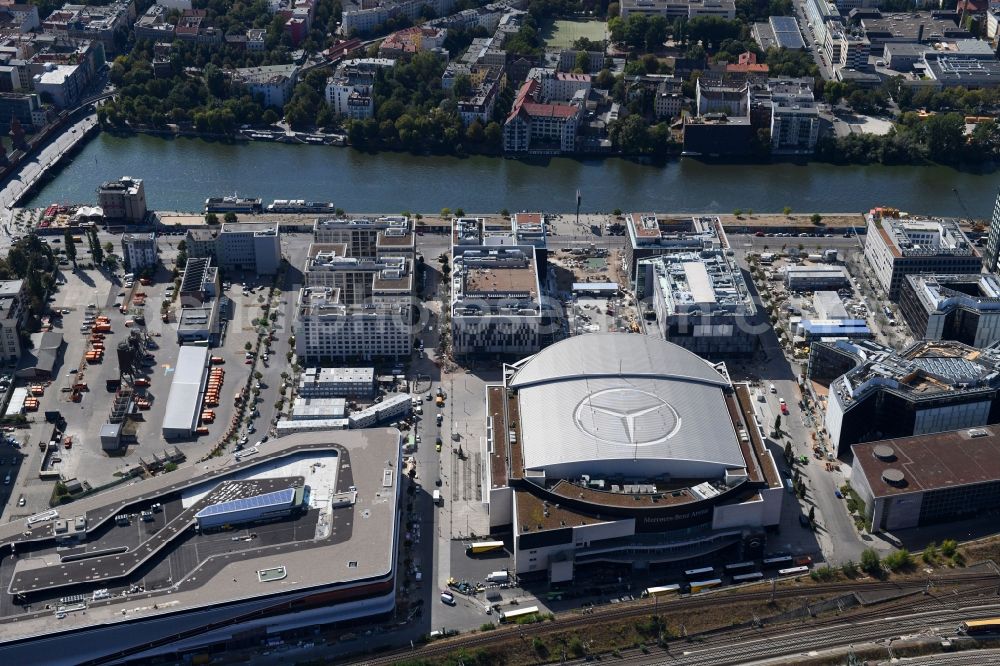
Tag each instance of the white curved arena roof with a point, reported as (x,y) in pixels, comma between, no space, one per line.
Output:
(617,403)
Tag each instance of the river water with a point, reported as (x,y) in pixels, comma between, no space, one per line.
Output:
(180,173)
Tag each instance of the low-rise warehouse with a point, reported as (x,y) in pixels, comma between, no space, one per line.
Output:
(181,417)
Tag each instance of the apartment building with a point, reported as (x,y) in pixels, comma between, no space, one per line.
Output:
(794,117)
(105,23)
(496,305)
(139,251)
(329,330)
(365,16)
(991,257)
(123,200)
(545,128)
(487,84)
(652,235)
(675,9)
(272,84)
(13,312)
(368,238)
(895,248)
(349,90)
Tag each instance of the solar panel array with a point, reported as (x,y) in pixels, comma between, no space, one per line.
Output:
(277,498)
(786,32)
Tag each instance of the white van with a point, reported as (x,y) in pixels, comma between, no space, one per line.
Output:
(437,498)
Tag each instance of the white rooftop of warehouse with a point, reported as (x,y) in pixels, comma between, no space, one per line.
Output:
(624,403)
(185,389)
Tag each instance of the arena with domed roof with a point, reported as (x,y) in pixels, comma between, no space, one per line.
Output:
(621,447)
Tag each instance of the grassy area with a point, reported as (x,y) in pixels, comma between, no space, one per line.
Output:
(562,33)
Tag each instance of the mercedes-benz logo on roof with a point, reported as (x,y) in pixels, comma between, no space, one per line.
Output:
(628,416)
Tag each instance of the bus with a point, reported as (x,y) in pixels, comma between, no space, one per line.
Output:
(748,577)
(793,571)
(695,573)
(662,590)
(986,627)
(698,586)
(777,560)
(483,547)
(738,566)
(514,615)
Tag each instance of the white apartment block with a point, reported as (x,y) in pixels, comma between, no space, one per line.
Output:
(327,330)
(349,90)
(13,310)
(139,251)
(390,235)
(496,295)
(363,16)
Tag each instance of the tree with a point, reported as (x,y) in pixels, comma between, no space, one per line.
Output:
(70,247)
(211,218)
(248,346)
(777,423)
(812,515)
(870,562)
(446,212)
(230,218)
(788,452)
(816,218)
(582,62)
(786,211)
(459,212)
(109,248)
(949,547)
(929,555)
(95,246)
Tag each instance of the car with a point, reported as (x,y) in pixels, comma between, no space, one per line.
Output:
(759,234)
(774,389)
(838,494)
(21,501)
(784,409)
(252,429)
(437,447)
(249,361)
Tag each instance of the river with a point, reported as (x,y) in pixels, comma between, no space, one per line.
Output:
(180,173)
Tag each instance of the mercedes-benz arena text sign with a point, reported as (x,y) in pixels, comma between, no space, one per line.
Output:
(627,417)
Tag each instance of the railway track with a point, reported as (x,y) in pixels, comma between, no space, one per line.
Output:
(580,620)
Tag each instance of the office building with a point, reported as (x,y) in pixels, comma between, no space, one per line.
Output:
(991,257)
(701,303)
(123,200)
(139,251)
(359,281)
(929,387)
(496,305)
(337,383)
(812,278)
(778,32)
(675,9)
(249,246)
(928,479)
(26,107)
(964,308)
(652,235)
(617,447)
(895,248)
(128,604)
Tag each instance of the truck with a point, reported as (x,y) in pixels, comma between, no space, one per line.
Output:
(437,498)
(498,577)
